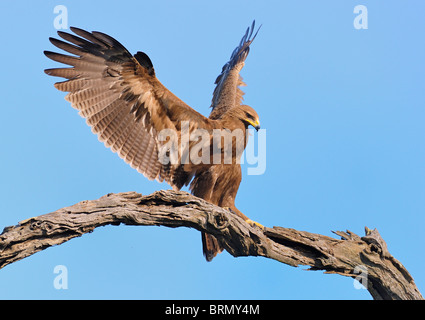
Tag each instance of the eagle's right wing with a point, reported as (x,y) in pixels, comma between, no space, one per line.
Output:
(121,99)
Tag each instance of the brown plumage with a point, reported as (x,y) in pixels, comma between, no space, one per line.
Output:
(146,125)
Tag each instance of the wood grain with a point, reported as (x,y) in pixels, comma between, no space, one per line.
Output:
(385,276)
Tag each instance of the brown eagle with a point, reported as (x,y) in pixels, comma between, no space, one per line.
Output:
(149,127)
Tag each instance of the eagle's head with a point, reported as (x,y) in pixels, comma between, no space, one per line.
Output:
(248,116)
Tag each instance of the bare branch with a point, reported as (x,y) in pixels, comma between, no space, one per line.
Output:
(386,277)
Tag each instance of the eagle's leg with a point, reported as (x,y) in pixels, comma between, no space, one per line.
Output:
(252,223)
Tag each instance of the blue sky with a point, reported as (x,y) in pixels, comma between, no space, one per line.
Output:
(344,114)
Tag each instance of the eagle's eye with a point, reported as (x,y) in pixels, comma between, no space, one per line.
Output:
(249,116)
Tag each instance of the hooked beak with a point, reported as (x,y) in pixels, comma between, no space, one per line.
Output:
(255,124)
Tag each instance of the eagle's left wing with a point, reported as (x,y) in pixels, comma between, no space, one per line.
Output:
(227,93)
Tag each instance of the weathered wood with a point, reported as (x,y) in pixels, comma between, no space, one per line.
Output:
(385,276)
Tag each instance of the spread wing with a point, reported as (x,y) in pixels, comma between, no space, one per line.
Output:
(121,99)
(227,93)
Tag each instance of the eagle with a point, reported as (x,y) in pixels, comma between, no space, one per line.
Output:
(137,117)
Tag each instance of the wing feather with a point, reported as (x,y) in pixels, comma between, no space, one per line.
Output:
(227,92)
(121,99)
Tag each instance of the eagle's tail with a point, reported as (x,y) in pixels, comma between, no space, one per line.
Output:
(210,246)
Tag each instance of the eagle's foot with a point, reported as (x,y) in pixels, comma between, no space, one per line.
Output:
(255,223)
(248,220)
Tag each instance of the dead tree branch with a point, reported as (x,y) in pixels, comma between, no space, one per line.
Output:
(386,277)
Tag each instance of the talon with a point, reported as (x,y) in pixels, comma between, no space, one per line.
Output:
(254,223)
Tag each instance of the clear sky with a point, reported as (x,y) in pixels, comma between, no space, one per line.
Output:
(343,110)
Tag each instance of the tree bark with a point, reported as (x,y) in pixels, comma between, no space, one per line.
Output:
(364,258)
